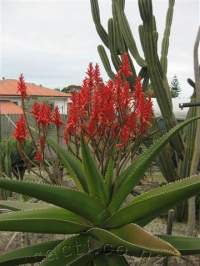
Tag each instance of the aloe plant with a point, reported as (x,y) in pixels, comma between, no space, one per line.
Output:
(104,225)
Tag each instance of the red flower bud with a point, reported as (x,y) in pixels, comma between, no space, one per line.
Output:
(22,86)
(38,156)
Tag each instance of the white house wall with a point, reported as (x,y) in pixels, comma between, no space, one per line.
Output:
(62,105)
(15,100)
(60,102)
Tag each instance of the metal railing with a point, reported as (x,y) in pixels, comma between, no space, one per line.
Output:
(184,105)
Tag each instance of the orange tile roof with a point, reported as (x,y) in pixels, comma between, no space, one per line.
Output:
(8,87)
(9,108)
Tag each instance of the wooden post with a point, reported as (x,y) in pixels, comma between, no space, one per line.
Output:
(170,221)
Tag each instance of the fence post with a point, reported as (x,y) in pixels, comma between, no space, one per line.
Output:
(170,221)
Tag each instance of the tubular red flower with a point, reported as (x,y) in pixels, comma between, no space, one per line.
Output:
(125,67)
(143,107)
(21,131)
(36,110)
(45,114)
(97,75)
(42,113)
(22,86)
(56,118)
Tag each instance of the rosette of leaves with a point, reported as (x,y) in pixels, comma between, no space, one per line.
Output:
(11,162)
(104,226)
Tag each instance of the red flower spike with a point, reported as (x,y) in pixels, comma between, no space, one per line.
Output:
(22,86)
(97,75)
(143,107)
(36,110)
(125,66)
(56,118)
(90,74)
(109,111)
(21,131)
(42,113)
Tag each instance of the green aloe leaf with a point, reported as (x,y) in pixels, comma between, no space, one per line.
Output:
(154,202)
(186,245)
(95,181)
(75,201)
(71,163)
(132,240)
(17,205)
(47,220)
(31,254)
(131,176)
(109,260)
(109,176)
(73,251)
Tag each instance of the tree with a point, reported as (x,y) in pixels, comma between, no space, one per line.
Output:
(175,87)
(71,88)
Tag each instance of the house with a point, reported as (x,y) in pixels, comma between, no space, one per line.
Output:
(10,100)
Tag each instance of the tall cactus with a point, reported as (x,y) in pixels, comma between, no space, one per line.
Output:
(149,37)
(119,39)
(165,41)
(196,137)
(189,140)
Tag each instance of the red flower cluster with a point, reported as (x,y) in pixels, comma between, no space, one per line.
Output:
(44,117)
(22,87)
(42,113)
(104,111)
(21,131)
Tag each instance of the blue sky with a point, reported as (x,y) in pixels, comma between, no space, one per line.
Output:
(52,42)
